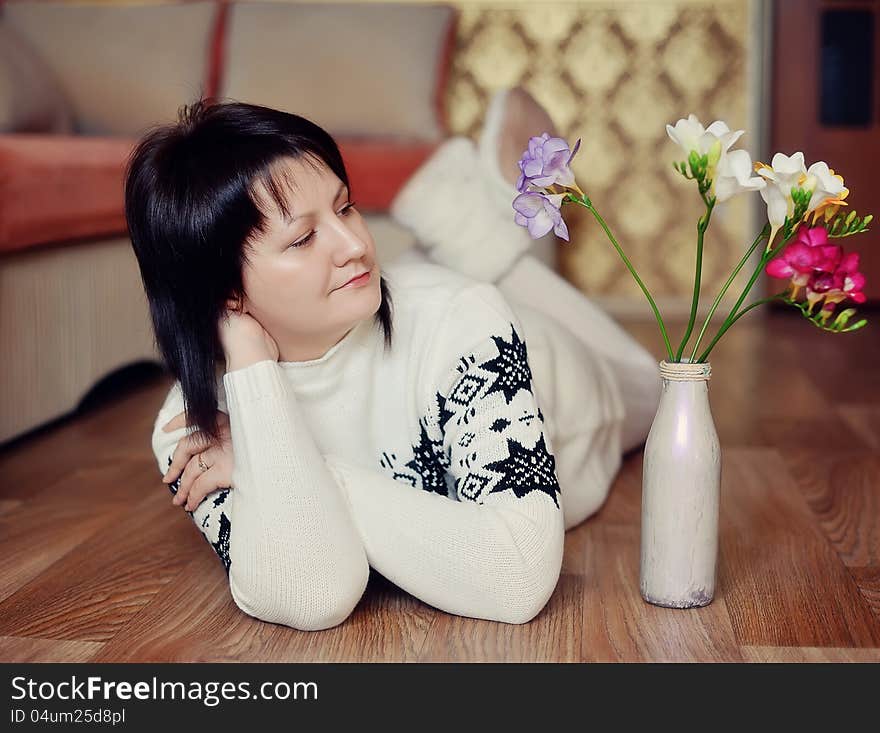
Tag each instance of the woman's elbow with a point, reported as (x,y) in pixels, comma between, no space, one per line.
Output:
(525,602)
(522,595)
(310,611)
(525,592)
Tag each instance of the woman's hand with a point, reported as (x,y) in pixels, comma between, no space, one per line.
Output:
(195,482)
(245,342)
(244,339)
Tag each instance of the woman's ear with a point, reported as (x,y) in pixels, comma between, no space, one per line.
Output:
(234,304)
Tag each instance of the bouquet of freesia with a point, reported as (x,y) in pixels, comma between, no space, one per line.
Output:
(803,215)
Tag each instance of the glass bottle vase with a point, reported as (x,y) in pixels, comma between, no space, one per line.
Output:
(681,482)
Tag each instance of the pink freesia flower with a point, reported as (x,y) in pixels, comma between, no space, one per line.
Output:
(540,213)
(546,163)
(827,256)
(844,282)
(807,257)
(797,262)
(812,236)
(821,268)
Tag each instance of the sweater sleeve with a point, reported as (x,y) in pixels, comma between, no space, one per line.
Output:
(284,530)
(211,516)
(495,550)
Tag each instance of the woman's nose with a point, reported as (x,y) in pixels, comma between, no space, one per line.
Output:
(349,245)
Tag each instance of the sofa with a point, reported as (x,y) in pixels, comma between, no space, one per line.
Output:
(80,83)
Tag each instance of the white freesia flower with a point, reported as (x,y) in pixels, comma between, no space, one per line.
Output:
(784,173)
(824,185)
(714,142)
(734,176)
(690,135)
(686,133)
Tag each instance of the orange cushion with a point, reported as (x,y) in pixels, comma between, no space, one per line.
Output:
(60,188)
(377,170)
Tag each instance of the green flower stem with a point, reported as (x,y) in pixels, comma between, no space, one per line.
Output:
(728,323)
(764,232)
(732,315)
(702,225)
(585,202)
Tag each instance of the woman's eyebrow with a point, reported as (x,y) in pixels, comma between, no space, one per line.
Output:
(290,220)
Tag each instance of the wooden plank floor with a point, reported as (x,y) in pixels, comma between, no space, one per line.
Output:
(99,566)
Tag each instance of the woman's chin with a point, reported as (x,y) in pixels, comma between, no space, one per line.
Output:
(366,301)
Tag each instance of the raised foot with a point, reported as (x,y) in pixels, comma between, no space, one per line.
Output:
(522,118)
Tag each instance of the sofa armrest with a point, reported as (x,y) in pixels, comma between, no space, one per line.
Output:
(60,187)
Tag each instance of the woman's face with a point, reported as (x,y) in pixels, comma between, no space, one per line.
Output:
(295,283)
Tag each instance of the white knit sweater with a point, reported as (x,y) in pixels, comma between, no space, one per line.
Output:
(450,463)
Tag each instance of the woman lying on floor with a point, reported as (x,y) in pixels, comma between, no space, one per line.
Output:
(443,419)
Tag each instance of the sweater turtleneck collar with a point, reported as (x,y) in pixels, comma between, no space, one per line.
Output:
(326,371)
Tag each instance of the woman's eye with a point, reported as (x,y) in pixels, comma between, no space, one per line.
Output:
(304,240)
(344,211)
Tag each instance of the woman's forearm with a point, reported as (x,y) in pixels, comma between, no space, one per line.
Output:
(498,560)
(296,555)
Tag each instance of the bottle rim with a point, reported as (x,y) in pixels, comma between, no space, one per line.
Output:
(685,372)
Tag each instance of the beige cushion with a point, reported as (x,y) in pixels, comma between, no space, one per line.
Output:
(30,98)
(365,69)
(122,68)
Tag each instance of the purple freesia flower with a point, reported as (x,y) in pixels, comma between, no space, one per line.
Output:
(545,163)
(540,213)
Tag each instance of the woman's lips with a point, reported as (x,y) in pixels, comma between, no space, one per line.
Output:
(358,281)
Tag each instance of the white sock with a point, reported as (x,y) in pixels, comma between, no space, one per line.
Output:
(487,150)
(503,192)
(450,206)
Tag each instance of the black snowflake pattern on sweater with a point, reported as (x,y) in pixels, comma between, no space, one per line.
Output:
(215,525)
(426,468)
(511,366)
(428,462)
(485,435)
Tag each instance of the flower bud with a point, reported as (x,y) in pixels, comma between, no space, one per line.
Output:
(843,317)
